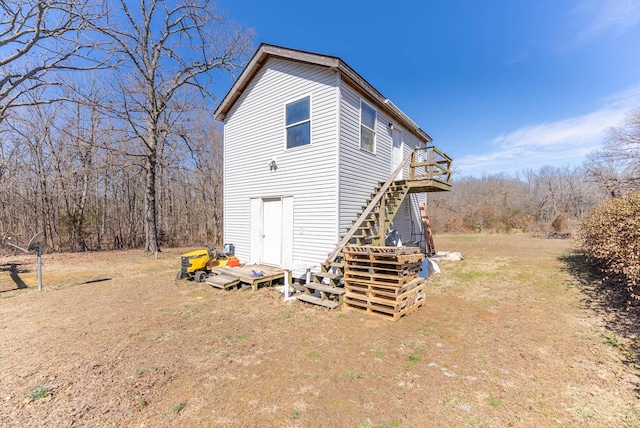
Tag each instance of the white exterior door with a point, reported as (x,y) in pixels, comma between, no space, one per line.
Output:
(272,231)
(396,152)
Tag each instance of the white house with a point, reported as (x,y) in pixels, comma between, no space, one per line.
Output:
(306,142)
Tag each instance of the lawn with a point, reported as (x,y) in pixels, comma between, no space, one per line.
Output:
(510,336)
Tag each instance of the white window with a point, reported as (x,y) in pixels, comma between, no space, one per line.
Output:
(298,122)
(367,127)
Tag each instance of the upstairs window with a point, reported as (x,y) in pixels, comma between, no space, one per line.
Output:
(298,122)
(367,127)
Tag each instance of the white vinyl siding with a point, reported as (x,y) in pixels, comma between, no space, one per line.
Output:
(253,137)
(360,171)
(324,184)
(408,220)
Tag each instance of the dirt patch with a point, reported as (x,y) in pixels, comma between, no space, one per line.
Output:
(506,338)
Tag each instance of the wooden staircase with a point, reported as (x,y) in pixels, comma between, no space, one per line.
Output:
(430,171)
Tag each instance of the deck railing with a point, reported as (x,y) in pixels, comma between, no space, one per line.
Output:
(374,201)
(429,163)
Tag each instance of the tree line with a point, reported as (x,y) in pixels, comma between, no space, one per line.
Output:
(529,201)
(551,198)
(64,171)
(106,134)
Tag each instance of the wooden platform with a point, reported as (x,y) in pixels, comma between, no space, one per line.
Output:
(245,275)
(223,281)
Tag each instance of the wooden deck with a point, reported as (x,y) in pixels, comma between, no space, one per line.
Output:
(246,275)
(420,185)
(430,170)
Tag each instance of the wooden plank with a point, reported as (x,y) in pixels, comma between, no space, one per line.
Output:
(386,315)
(383,281)
(377,249)
(389,287)
(222,282)
(328,275)
(426,226)
(376,289)
(380,279)
(325,288)
(384,264)
(385,271)
(331,304)
(385,258)
(385,304)
(245,274)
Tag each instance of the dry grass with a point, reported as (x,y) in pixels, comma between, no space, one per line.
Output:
(506,338)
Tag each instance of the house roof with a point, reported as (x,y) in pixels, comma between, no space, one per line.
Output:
(266,51)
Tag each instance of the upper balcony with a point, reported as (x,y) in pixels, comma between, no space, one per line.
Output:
(429,171)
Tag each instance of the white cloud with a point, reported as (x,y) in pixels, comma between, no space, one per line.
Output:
(608,15)
(562,142)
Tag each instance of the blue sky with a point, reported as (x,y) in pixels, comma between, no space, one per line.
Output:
(501,85)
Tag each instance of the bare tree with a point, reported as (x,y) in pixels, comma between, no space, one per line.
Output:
(37,39)
(616,165)
(532,199)
(165,49)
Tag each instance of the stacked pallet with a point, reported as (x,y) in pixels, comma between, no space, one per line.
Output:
(383,281)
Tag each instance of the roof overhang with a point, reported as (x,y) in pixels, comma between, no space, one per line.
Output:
(351,77)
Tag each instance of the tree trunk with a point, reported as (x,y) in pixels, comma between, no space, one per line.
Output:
(151,224)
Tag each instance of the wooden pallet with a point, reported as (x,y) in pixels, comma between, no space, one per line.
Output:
(393,280)
(391,264)
(385,270)
(382,314)
(375,289)
(384,258)
(388,264)
(372,249)
(383,281)
(386,309)
(394,303)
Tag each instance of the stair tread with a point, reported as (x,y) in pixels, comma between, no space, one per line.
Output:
(325,288)
(328,275)
(387,206)
(331,304)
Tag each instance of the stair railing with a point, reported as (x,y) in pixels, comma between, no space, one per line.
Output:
(334,254)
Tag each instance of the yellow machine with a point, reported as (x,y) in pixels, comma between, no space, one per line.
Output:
(197,264)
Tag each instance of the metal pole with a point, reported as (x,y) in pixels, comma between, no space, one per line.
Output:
(39,253)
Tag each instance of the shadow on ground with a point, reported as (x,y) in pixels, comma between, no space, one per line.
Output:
(14,269)
(95,280)
(609,296)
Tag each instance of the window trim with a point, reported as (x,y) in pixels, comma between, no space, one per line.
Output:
(361,124)
(286,127)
